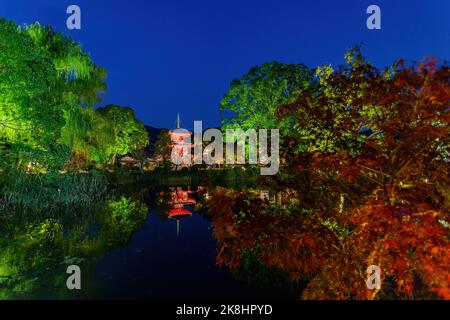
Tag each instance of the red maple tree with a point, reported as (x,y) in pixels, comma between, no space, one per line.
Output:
(367,164)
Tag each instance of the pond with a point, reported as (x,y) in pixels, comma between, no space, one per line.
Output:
(151,243)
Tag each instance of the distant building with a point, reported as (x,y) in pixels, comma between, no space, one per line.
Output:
(129,161)
(148,165)
(178,138)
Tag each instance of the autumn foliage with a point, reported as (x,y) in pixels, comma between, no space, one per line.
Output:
(366,170)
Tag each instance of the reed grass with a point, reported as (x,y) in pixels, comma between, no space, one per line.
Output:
(42,192)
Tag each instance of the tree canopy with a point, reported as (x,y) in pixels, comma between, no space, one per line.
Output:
(254,97)
(49,87)
(129,133)
(369,187)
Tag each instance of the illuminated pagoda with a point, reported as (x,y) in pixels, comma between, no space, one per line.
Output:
(180,136)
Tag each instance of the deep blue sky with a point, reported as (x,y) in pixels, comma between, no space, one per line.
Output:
(168,56)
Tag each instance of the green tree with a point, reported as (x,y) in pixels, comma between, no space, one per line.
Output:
(129,133)
(79,84)
(30,116)
(163,149)
(90,136)
(77,72)
(254,98)
(46,79)
(328,116)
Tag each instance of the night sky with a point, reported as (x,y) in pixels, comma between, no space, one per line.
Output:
(168,56)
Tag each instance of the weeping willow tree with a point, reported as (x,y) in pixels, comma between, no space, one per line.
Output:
(89,135)
(74,67)
(100,136)
(48,89)
(80,85)
(30,116)
(92,136)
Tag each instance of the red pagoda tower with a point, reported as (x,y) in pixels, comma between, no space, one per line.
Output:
(178,138)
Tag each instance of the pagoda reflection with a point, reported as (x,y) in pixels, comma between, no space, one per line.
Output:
(178,199)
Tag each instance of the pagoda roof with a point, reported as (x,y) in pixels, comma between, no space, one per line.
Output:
(177,212)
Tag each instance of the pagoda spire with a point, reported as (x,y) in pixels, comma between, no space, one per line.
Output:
(178,120)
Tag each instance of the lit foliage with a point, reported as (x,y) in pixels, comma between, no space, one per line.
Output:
(129,133)
(35,255)
(89,136)
(126,215)
(163,149)
(371,185)
(78,75)
(254,98)
(27,252)
(48,88)
(28,114)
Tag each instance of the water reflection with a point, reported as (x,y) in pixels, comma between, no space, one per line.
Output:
(179,199)
(126,248)
(34,255)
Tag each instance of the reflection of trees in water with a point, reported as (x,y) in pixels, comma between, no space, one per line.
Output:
(257,239)
(266,282)
(34,256)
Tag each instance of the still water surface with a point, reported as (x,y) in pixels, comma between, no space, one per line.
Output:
(158,245)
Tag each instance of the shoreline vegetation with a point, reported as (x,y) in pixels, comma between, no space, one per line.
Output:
(74,191)
(57,149)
